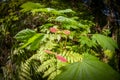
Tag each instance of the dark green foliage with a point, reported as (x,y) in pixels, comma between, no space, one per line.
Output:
(105,42)
(60,43)
(46,37)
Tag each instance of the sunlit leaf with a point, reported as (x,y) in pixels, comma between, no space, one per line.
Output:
(36,43)
(30,5)
(31,40)
(66,11)
(67,22)
(24,35)
(108,54)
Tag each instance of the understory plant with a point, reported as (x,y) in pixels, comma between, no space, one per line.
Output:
(61,47)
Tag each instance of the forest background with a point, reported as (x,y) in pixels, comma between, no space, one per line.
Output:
(59,39)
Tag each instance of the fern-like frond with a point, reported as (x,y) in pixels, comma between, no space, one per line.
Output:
(27,69)
(49,71)
(24,73)
(53,74)
(71,56)
(46,64)
(49,65)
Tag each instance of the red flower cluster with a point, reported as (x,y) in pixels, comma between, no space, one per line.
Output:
(67,32)
(61,58)
(53,30)
(57,56)
(48,51)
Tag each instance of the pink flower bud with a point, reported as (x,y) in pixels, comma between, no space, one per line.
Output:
(61,58)
(53,30)
(48,51)
(67,32)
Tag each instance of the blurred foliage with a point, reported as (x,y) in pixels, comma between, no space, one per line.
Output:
(57,41)
(26,32)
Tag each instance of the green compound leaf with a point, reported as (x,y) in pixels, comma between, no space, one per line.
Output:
(29,38)
(105,42)
(24,35)
(67,22)
(34,41)
(90,68)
